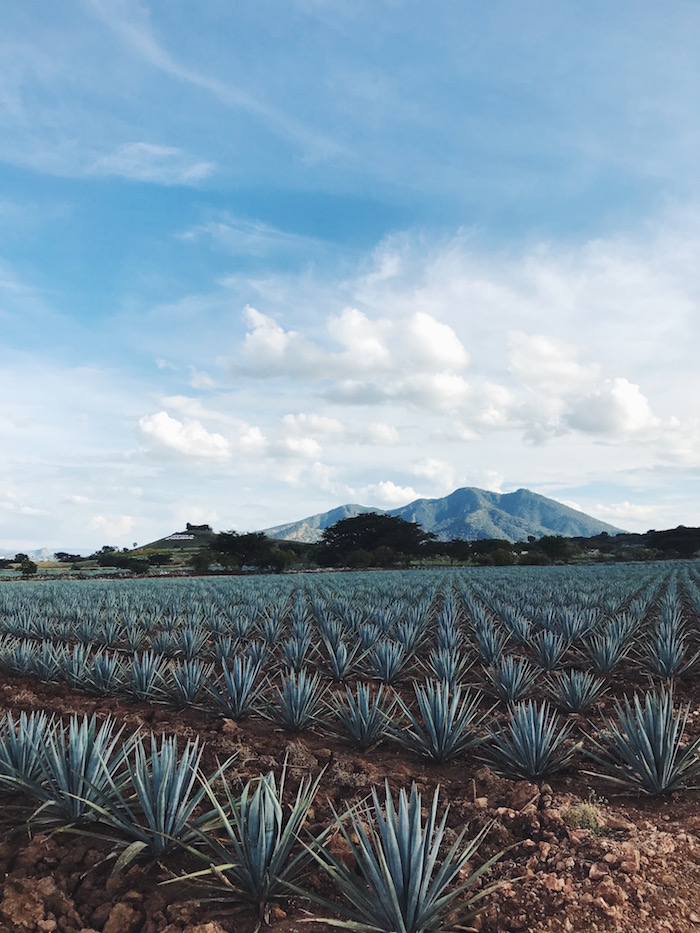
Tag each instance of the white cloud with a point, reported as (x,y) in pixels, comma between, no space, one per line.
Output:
(190,437)
(623,510)
(493,480)
(414,360)
(132,23)
(440,391)
(545,364)
(201,380)
(251,440)
(387,493)
(571,504)
(363,340)
(251,238)
(164,165)
(112,527)
(306,447)
(10,505)
(441,474)
(379,434)
(313,424)
(270,350)
(563,394)
(433,344)
(430,391)
(616,409)
(491,407)
(578,374)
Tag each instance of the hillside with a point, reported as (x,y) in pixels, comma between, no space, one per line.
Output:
(194,536)
(309,529)
(469,514)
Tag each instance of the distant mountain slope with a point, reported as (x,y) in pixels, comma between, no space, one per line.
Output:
(470,514)
(309,529)
(42,553)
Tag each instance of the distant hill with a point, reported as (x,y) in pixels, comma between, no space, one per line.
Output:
(469,514)
(309,530)
(194,536)
(39,554)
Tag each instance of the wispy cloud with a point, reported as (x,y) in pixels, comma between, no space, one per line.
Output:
(131,21)
(268,268)
(254,238)
(165,165)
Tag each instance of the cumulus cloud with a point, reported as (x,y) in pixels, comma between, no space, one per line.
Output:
(492,406)
(440,473)
(563,394)
(364,341)
(313,424)
(366,360)
(305,447)
(431,391)
(379,434)
(615,409)
(433,343)
(269,349)
(387,493)
(546,364)
(112,527)
(251,440)
(190,437)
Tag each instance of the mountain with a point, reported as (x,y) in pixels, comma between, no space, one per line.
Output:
(470,514)
(309,529)
(38,554)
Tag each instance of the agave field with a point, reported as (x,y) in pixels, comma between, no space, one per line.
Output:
(486,748)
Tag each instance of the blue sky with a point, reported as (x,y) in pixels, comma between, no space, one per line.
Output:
(257,260)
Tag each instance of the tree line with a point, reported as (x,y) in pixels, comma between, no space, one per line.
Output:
(378,540)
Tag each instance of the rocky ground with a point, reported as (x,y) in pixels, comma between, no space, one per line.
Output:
(575,859)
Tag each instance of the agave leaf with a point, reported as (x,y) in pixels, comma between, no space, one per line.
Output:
(261,834)
(530,745)
(399,885)
(448,721)
(128,855)
(641,748)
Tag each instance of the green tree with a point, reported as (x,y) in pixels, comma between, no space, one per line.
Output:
(370,532)
(65,558)
(556,547)
(202,560)
(28,567)
(253,549)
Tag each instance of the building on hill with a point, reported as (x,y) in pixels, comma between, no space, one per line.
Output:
(192,528)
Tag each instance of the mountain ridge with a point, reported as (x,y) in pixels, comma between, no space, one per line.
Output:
(467,513)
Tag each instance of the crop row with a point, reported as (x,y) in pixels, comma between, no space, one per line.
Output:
(149,801)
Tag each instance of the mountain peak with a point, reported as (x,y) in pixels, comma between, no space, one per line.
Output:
(467,513)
